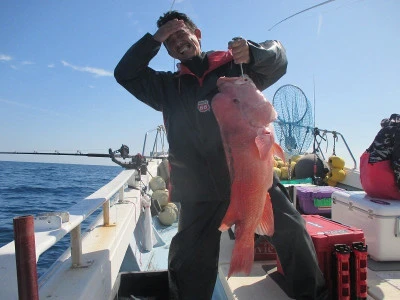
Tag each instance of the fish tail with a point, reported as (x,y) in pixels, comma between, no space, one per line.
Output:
(242,257)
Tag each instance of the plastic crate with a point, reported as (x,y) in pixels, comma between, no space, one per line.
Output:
(263,250)
(325,234)
(315,199)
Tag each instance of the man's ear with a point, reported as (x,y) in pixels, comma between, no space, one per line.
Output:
(197,33)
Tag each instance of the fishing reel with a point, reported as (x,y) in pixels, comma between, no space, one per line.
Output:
(124,151)
(138,161)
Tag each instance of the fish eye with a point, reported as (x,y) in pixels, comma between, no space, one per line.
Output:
(236,100)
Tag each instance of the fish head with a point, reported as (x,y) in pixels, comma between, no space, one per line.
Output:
(226,104)
(239,100)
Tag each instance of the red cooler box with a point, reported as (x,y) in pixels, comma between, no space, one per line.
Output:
(378,218)
(263,250)
(325,234)
(315,200)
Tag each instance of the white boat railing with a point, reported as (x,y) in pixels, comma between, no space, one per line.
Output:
(82,210)
(52,227)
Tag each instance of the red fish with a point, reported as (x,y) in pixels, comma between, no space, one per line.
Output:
(244,117)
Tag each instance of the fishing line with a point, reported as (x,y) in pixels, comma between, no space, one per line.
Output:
(172,5)
(314,99)
(323,3)
(304,10)
(346,4)
(315,140)
(174,64)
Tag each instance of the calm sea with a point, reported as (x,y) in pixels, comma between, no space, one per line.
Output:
(32,188)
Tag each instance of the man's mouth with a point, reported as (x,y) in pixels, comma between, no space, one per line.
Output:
(181,50)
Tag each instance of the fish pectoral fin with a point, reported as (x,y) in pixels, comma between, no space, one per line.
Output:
(264,141)
(266,226)
(277,150)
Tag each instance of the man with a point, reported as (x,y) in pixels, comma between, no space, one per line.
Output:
(199,172)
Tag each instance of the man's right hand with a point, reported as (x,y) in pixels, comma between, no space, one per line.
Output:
(167,29)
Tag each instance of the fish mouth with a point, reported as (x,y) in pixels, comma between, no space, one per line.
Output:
(225,81)
(243,79)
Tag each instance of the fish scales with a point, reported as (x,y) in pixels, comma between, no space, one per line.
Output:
(245,120)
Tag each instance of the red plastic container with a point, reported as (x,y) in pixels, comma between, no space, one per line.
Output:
(325,234)
(314,200)
(263,250)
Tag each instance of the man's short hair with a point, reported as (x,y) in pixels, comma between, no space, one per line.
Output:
(176,15)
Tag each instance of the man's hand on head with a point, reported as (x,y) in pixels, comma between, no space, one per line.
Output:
(167,29)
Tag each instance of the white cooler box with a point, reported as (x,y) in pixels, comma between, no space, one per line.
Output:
(378,218)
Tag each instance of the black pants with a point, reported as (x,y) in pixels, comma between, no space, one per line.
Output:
(194,251)
(295,248)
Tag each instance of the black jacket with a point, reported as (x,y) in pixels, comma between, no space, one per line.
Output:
(199,171)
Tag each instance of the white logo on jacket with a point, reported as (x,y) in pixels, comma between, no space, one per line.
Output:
(203,106)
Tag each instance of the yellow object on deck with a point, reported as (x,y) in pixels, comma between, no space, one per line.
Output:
(336,173)
(336,162)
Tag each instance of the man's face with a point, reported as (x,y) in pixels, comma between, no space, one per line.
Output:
(184,44)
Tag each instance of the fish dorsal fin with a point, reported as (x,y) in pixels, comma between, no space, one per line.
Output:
(264,141)
(266,226)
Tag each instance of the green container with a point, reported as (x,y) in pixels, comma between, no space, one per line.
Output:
(297,181)
(322,202)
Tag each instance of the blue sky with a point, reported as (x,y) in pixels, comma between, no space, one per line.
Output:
(57,90)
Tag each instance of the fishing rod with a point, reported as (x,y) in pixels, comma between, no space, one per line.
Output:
(78,153)
(137,161)
(316,179)
(121,152)
(304,10)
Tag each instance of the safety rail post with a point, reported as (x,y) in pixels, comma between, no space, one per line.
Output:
(106,206)
(121,193)
(76,246)
(106,213)
(25,256)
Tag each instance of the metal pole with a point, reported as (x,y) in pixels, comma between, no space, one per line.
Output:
(25,256)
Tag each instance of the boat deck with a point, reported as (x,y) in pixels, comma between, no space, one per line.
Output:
(264,282)
(383,280)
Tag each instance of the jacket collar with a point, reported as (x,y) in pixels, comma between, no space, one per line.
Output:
(215,60)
